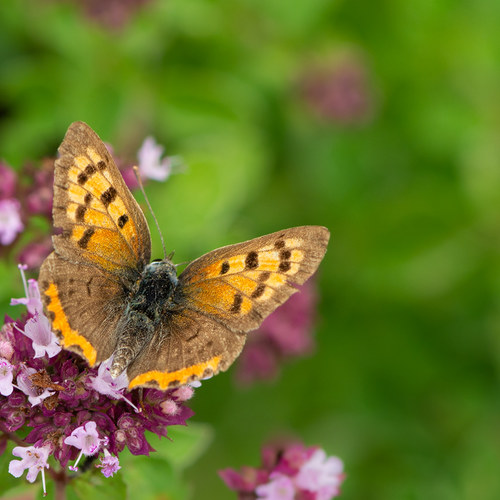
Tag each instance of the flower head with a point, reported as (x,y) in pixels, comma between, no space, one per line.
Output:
(322,475)
(105,384)
(151,165)
(33,458)
(86,439)
(33,300)
(6,377)
(288,473)
(279,488)
(44,341)
(25,383)
(10,220)
(109,464)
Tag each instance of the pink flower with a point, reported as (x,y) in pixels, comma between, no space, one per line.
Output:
(44,341)
(105,384)
(151,166)
(279,488)
(86,439)
(32,301)
(24,384)
(32,458)
(10,220)
(169,407)
(6,349)
(6,377)
(183,393)
(321,474)
(109,464)
(288,472)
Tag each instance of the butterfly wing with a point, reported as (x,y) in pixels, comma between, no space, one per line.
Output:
(84,305)
(239,285)
(186,348)
(104,245)
(223,295)
(102,223)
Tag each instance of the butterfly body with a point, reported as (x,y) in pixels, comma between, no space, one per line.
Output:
(151,301)
(104,298)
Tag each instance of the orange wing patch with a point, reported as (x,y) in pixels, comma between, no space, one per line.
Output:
(218,297)
(95,201)
(179,377)
(70,337)
(105,246)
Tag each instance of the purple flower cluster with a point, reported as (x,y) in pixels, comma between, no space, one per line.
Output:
(69,409)
(286,333)
(293,472)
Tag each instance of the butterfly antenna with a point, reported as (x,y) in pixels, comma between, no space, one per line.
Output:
(138,177)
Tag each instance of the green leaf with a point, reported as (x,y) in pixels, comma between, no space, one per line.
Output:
(94,485)
(186,444)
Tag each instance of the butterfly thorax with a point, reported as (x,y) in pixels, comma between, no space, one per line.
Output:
(153,294)
(150,301)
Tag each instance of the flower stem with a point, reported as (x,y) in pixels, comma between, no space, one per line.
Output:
(60,481)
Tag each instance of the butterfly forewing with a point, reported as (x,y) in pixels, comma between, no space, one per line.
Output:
(101,222)
(239,285)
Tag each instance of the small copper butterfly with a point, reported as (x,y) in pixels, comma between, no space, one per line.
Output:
(105,298)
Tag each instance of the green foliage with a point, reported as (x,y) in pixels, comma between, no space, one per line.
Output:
(405,381)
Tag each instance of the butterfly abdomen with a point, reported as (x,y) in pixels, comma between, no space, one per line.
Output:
(148,302)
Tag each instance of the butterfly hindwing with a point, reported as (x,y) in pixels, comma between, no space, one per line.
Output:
(84,305)
(187,347)
(101,221)
(239,285)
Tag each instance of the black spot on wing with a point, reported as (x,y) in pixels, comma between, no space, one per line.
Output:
(80,213)
(236,307)
(285,255)
(122,220)
(84,240)
(258,291)
(108,196)
(252,260)
(225,267)
(285,266)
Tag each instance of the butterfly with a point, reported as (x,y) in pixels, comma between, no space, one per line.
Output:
(105,298)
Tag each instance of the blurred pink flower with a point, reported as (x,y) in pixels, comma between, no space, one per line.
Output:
(10,220)
(288,472)
(286,333)
(33,254)
(8,181)
(340,91)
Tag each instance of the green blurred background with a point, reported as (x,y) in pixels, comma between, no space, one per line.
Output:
(379,120)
